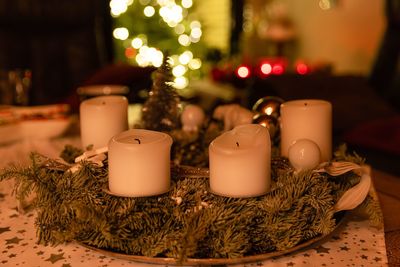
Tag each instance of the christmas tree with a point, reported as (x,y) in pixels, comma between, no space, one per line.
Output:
(144,28)
(161,110)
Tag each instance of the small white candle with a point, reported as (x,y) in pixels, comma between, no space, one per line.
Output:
(101,118)
(139,163)
(240,162)
(307,119)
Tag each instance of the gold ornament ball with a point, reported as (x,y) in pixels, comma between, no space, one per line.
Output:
(269,122)
(269,105)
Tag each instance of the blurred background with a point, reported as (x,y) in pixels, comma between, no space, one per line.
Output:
(344,51)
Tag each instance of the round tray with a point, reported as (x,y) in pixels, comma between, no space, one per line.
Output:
(340,218)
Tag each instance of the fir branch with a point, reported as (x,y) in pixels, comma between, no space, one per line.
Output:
(341,154)
(70,152)
(188,221)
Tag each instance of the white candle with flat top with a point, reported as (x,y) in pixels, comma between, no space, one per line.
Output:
(101,118)
(307,119)
(139,163)
(240,162)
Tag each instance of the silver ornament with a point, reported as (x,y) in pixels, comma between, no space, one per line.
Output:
(269,105)
(269,122)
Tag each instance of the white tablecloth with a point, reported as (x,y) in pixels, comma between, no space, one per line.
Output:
(355,243)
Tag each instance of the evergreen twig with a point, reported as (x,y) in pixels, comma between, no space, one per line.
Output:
(186,222)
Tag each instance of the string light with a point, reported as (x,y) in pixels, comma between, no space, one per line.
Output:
(184,39)
(121,33)
(243,72)
(149,11)
(119,7)
(195,64)
(137,43)
(302,68)
(185,57)
(179,29)
(278,69)
(178,71)
(180,82)
(266,68)
(187,3)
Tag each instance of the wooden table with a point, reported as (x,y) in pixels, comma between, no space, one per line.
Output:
(388,189)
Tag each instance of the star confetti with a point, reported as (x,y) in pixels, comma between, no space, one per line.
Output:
(322,249)
(344,248)
(14,240)
(4,229)
(55,257)
(377,259)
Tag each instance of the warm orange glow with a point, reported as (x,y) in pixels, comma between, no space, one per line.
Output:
(130,52)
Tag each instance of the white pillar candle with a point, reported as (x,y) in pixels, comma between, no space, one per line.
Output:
(101,118)
(240,162)
(307,119)
(139,163)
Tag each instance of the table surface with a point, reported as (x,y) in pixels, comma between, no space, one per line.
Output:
(354,243)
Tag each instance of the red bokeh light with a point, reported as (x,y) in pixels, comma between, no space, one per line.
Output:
(278,69)
(302,68)
(130,52)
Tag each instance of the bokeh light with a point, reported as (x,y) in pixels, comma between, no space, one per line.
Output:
(187,3)
(121,33)
(137,42)
(195,64)
(302,68)
(184,39)
(178,70)
(243,72)
(278,69)
(185,57)
(266,68)
(181,82)
(149,11)
(173,13)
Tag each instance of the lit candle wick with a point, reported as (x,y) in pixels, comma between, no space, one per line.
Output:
(237,144)
(138,140)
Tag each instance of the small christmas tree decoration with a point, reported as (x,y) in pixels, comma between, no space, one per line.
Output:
(269,105)
(161,110)
(192,118)
(304,154)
